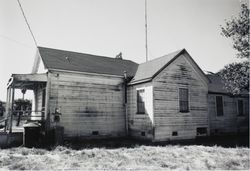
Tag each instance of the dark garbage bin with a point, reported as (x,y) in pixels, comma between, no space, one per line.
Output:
(31,134)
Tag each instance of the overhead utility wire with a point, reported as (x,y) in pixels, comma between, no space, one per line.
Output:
(27,23)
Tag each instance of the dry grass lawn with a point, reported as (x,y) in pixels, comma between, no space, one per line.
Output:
(139,158)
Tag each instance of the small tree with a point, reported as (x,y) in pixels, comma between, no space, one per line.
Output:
(20,106)
(238,30)
(236,75)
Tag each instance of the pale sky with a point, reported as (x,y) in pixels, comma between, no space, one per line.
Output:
(107,27)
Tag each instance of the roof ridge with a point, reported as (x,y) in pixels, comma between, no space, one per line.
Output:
(76,61)
(158,58)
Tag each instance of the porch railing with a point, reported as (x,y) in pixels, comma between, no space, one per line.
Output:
(19,115)
(4,120)
(30,114)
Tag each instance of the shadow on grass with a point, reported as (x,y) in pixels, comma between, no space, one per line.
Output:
(228,141)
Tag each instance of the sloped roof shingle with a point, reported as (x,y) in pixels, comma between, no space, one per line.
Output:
(74,61)
(216,85)
(148,69)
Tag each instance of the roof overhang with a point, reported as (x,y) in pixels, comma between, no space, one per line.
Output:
(140,81)
(228,94)
(183,51)
(26,81)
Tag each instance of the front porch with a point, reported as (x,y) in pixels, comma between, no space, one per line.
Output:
(16,116)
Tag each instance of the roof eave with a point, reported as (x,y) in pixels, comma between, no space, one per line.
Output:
(81,72)
(227,93)
(140,81)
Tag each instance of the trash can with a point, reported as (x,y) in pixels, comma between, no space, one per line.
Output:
(31,134)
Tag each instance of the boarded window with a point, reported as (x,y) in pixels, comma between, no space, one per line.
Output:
(219,106)
(141,101)
(240,108)
(183,100)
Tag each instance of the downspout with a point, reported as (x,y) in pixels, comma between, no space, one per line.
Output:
(125,102)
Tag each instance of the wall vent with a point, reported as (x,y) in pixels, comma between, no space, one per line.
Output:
(95,133)
(175,133)
(201,131)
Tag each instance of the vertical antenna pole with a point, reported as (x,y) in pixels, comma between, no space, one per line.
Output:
(146,31)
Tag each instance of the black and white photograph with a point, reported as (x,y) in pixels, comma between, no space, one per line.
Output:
(124,85)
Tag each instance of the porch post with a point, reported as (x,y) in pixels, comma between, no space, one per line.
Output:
(7,103)
(12,106)
(7,112)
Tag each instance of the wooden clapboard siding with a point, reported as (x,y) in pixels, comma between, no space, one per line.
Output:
(139,123)
(38,91)
(88,103)
(181,73)
(230,122)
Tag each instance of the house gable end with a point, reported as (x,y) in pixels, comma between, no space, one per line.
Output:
(184,54)
(38,65)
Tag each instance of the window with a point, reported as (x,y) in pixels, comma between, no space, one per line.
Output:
(183,100)
(219,106)
(240,108)
(140,101)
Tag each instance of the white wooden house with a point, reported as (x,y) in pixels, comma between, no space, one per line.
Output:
(227,113)
(162,99)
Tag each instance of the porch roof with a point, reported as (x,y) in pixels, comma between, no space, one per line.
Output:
(26,80)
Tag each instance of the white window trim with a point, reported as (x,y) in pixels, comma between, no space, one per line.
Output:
(138,89)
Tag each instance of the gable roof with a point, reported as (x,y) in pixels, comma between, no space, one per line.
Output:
(148,70)
(81,62)
(216,85)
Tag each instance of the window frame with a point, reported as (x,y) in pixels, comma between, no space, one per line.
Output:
(188,100)
(139,112)
(222,99)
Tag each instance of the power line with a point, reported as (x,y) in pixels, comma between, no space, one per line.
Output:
(15,41)
(27,23)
